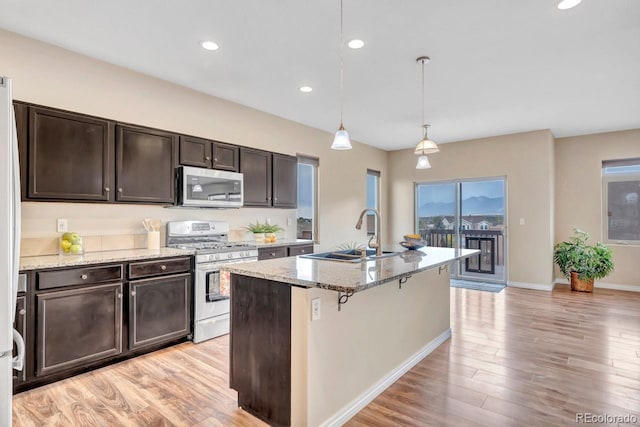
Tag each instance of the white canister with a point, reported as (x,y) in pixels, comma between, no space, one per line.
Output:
(153,240)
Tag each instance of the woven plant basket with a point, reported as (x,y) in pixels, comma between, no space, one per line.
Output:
(580,285)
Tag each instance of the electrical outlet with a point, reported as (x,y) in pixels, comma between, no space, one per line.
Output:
(62,226)
(268,221)
(315,309)
(521,221)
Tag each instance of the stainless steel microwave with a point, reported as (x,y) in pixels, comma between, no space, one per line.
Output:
(209,188)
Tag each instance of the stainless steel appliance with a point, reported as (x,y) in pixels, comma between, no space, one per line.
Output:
(212,287)
(9,250)
(209,188)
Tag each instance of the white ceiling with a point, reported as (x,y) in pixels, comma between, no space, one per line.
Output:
(497,67)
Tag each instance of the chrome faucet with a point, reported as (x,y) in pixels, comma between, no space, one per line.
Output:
(377,245)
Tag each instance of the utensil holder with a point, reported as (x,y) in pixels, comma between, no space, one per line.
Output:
(153,240)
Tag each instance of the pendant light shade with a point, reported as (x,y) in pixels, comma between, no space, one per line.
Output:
(341,141)
(423,163)
(425,146)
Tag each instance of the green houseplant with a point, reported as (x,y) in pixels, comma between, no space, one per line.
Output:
(581,263)
(258,231)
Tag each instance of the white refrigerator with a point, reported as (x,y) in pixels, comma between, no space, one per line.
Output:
(9,249)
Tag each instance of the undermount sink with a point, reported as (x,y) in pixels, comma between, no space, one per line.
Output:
(349,255)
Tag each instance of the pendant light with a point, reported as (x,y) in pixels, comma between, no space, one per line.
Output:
(425,146)
(341,140)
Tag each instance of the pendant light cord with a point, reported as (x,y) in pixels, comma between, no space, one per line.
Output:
(341,64)
(423,95)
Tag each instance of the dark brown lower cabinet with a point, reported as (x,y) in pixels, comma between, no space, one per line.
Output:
(20,325)
(261,348)
(77,326)
(159,310)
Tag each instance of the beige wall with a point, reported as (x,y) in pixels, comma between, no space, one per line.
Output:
(579,192)
(337,360)
(526,160)
(52,76)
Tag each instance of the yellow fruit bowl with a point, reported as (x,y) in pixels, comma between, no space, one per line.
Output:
(70,244)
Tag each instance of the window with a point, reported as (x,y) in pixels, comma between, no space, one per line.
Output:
(373,199)
(621,207)
(307,198)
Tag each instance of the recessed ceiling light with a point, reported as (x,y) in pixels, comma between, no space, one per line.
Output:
(209,45)
(306,89)
(355,43)
(568,4)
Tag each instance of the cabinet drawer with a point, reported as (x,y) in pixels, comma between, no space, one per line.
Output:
(157,267)
(300,250)
(79,276)
(271,253)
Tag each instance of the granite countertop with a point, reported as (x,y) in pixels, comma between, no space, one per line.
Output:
(286,242)
(54,261)
(345,276)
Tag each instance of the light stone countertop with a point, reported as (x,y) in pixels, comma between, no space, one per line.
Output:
(55,261)
(346,276)
(286,242)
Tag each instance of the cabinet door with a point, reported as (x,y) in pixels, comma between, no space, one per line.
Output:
(20,325)
(70,156)
(256,167)
(225,157)
(285,181)
(145,165)
(159,310)
(195,152)
(78,326)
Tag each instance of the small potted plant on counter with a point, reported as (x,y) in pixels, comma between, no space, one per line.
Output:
(581,263)
(270,230)
(258,231)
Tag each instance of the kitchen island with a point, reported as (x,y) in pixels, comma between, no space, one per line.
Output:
(314,341)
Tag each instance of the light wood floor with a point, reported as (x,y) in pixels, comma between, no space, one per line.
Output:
(519,357)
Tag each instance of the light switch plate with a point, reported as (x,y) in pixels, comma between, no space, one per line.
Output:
(316,309)
(521,221)
(62,226)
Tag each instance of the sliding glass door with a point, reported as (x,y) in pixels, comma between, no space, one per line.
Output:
(466,214)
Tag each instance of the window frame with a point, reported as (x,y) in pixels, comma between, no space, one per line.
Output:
(315,163)
(378,203)
(616,177)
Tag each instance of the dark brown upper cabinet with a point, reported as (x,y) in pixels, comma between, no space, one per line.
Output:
(226,157)
(285,181)
(145,165)
(195,152)
(208,154)
(255,165)
(70,156)
(22,127)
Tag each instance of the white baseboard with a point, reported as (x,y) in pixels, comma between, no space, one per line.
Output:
(534,286)
(356,405)
(606,285)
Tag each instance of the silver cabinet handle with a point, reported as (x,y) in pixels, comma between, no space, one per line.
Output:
(208,158)
(107,189)
(22,312)
(301,251)
(133,293)
(120,190)
(119,296)
(273,254)
(215,159)
(276,199)
(163,267)
(84,277)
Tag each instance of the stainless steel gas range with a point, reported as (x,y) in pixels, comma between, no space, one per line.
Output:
(212,287)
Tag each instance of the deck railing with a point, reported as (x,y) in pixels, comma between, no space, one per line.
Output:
(447,239)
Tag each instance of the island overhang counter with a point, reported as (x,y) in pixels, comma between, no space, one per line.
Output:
(377,319)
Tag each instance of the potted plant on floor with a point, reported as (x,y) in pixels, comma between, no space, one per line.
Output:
(581,263)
